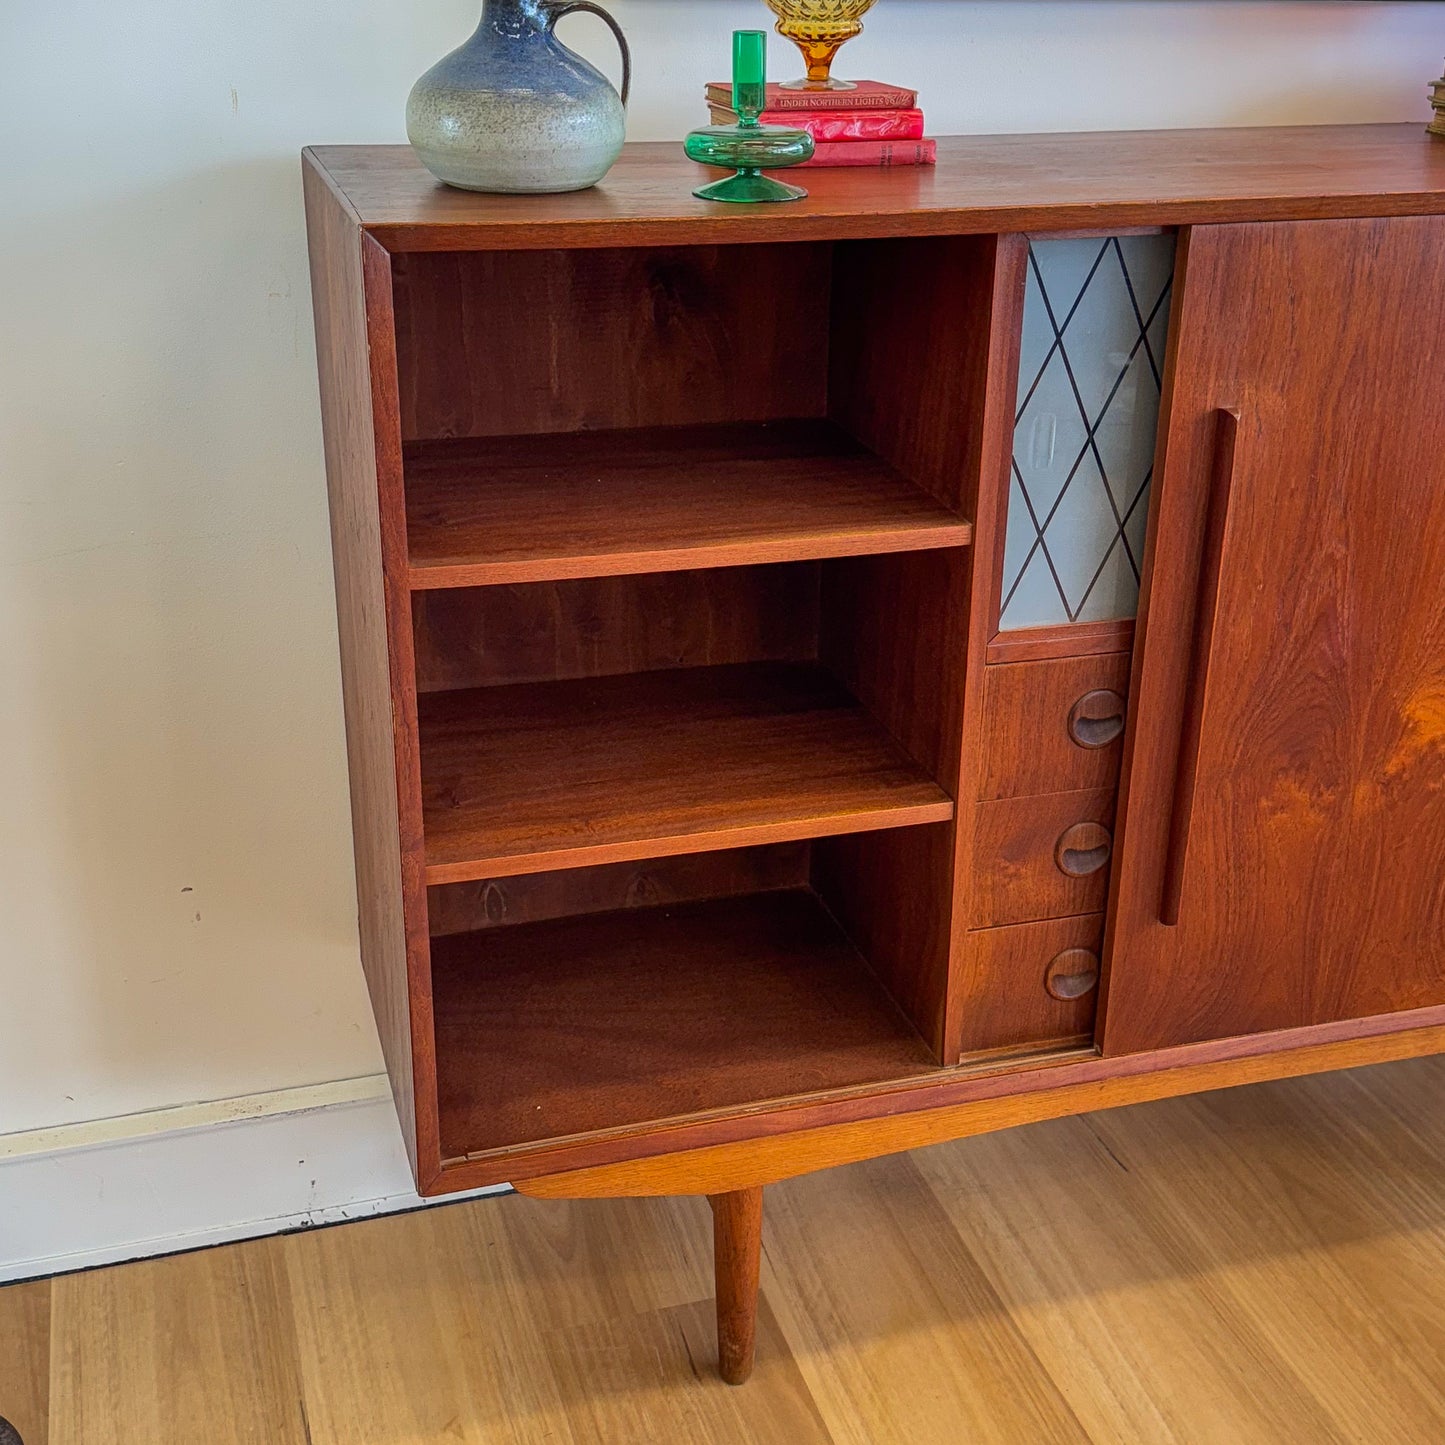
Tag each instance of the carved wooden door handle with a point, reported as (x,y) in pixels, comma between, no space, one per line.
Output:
(1071,974)
(1083,849)
(1097,718)
(1196,685)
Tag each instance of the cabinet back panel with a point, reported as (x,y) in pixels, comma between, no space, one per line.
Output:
(518,342)
(601,626)
(687,878)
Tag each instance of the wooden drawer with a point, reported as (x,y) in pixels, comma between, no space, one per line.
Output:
(1031,985)
(1036,742)
(1043,857)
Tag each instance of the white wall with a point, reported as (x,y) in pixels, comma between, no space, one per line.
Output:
(176,909)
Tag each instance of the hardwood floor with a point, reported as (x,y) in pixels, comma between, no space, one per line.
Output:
(1264,1264)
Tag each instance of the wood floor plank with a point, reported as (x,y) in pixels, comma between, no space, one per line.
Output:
(1403,1092)
(1122,1317)
(25,1359)
(196,1348)
(407,1330)
(1314,1228)
(1257,1267)
(502,1321)
(898,1334)
(624,1298)
(577,1266)
(653,1377)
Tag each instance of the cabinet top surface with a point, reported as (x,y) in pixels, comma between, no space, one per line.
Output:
(1083,181)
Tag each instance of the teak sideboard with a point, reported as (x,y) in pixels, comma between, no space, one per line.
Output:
(797,712)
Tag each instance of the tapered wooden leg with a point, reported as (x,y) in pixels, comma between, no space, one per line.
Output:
(737,1236)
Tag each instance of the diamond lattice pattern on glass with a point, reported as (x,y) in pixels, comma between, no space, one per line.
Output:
(1096,315)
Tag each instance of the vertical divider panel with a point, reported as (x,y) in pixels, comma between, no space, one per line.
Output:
(356,347)
(924,338)
(996,367)
(391,490)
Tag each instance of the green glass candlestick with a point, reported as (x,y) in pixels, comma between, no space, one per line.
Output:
(748,146)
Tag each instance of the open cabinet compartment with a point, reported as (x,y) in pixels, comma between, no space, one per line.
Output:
(687,549)
(579,413)
(583,741)
(590,721)
(615,997)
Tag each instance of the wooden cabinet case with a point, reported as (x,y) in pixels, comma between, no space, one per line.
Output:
(709,826)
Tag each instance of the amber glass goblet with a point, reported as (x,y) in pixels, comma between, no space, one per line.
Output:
(818,28)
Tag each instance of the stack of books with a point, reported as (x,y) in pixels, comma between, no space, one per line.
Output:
(871,125)
(1437,105)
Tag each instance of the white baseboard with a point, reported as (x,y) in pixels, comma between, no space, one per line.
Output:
(177,1179)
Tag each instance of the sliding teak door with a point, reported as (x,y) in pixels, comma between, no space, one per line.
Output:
(1282,850)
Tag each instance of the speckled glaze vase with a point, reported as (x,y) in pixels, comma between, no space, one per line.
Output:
(514,110)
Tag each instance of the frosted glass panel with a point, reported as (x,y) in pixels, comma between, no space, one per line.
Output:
(1096,314)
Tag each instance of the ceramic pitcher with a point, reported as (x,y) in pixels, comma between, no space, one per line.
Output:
(515,110)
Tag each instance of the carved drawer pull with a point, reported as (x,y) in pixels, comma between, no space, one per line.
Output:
(1097,718)
(1083,849)
(1072,974)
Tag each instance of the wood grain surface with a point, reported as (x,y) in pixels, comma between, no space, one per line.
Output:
(1005,1003)
(641,883)
(598,626)
(355,347)
(1017,873)
(549,746)
(1099,181)
(134,1358)
(1143,1330)
(896,629)
(558,775)
(495,344)
(25,1359)
(1259,1265)
(905,309)
(1313,886)
(855,1316)
(737,1257)
(1062,639)
(602,1021)
(589,504)
(888,889)
(989,460)
(715,1156)
(891,628)
(1027,745)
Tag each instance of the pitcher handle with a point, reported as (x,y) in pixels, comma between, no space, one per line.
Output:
(612,25)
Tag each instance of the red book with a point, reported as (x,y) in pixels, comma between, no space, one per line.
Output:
(873,153)
(836,125)
(865,95)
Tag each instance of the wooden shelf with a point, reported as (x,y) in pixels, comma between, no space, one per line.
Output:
(656,499)
(537,776)
(547,1030)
